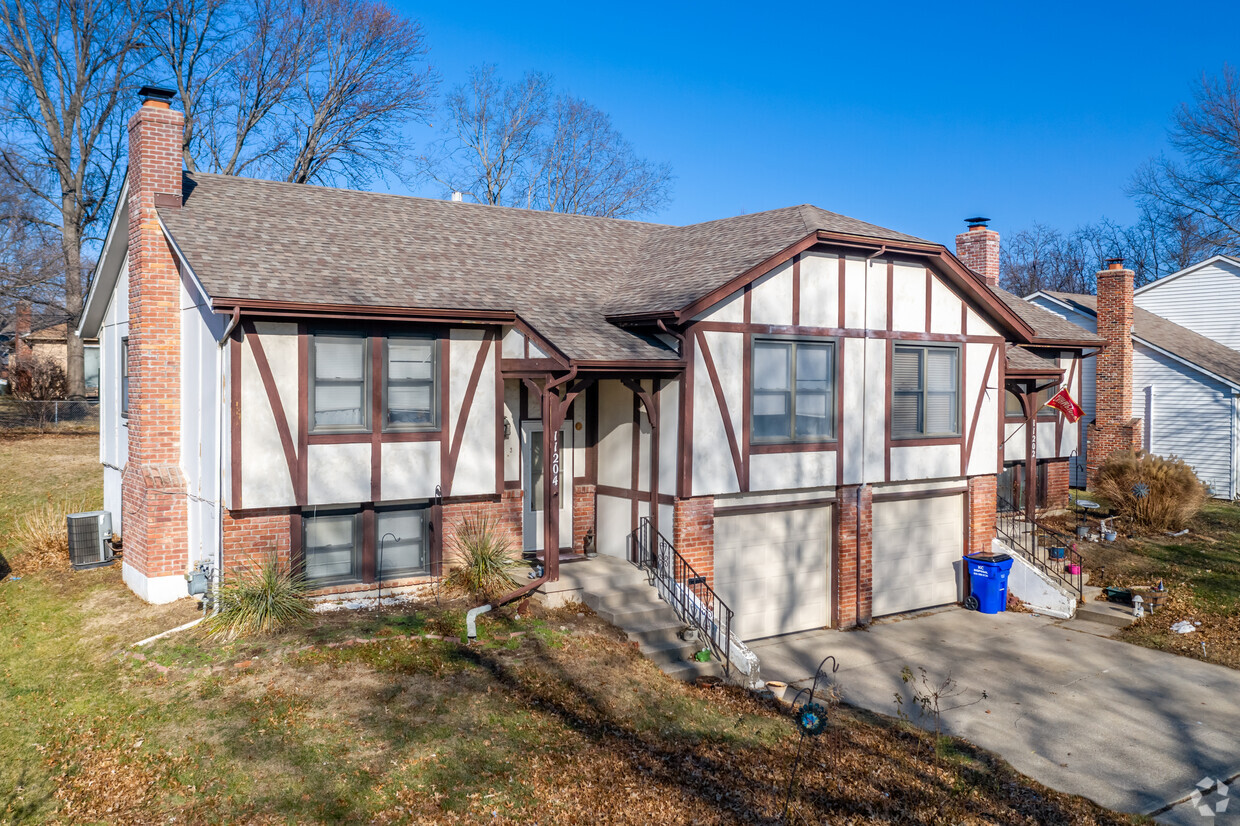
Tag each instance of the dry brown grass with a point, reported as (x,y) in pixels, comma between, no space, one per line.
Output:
(1151,493)
(43,538)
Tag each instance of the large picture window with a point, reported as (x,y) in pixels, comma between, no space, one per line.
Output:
(332,545)
(341,379)
(925,394)
(401,539)
(793,388)
(411,376)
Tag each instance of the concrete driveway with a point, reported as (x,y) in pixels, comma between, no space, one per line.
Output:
(1130,728)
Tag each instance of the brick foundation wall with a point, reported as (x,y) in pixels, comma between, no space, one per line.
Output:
(153,487)
(693,534)
(854,575)
(253,538)
(1114,427)
(978,249)
(583,516)
(1058,477)
(505,516)
(982,506)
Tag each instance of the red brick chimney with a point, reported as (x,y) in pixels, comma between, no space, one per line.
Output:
(21,328)
(154,506)
(978,248)
(1114,427)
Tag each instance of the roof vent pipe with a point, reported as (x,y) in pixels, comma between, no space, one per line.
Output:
(458,196)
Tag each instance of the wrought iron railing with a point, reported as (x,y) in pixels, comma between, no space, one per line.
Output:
(679,585)
(1050,550)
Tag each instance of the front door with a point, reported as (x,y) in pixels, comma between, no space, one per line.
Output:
(532,472)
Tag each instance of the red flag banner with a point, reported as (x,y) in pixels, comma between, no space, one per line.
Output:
(1062,402)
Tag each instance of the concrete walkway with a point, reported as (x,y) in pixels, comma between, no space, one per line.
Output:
(1128,727)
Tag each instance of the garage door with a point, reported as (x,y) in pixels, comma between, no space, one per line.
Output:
(771,569)
(916,553)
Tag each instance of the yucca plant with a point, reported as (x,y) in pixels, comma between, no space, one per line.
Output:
(260,600)
(484,564)
(1152,493)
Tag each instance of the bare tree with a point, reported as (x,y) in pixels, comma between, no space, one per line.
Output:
(494,137)
(590,169)
(65,65)
(1200,189)
(31,262)
(512,145)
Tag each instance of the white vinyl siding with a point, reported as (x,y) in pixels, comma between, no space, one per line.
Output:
(1206,300)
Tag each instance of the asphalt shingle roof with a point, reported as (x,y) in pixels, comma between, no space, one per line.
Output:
(564,274)
(1018,359)
(1045,324)
(1167,335)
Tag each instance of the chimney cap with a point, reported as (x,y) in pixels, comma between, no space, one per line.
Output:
(976,222)
(1115,263)
(156,93)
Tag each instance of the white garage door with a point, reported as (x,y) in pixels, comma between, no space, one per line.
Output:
(917,545)
(771,570)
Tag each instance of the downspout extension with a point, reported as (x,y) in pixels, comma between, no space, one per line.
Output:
(471,630)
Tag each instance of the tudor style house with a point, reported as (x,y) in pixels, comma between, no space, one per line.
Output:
(811,408)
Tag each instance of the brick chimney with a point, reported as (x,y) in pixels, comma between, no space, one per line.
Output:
(22,323)
(978,248)
(1114,427)
(154,505)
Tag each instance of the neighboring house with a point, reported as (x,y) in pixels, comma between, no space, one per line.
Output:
(1177,390)
(809,407)
(47,339)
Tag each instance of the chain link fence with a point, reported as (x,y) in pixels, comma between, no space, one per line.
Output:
(18,416)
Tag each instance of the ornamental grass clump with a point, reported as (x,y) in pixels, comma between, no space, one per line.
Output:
(484,564)
(1152,493)
(260,600)
(43,537)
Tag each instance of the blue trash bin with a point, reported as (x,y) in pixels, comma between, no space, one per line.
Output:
(988,576)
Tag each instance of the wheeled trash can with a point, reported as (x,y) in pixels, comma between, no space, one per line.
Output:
(988,577)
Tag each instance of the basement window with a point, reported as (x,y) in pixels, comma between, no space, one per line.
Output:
(925,395)
(793,391)
(340,379)
(332,546)
(402,543)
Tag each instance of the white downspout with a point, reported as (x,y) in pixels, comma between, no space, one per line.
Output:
(219,451)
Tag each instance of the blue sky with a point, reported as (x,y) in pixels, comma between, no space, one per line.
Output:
(906,115)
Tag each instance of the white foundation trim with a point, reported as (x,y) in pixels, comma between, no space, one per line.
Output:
(156,590)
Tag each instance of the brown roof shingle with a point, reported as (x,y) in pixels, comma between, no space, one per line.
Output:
(1047,326)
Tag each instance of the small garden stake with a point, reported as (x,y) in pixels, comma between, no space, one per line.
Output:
(811,719)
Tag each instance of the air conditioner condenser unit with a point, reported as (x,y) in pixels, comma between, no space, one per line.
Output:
(90,537)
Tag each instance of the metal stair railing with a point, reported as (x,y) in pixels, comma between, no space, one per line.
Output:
(1033,541)
(679,585)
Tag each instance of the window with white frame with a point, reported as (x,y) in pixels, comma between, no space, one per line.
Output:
(793,391)
(340,378)
(925,394)
(411,375)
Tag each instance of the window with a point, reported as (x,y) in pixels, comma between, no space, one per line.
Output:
(411,375)
(341,378)
(402,546)
(925,394)
(332,545)
(793,387)
(125,376)
(1012,408)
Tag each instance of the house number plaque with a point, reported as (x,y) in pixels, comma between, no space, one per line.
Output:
(555,460)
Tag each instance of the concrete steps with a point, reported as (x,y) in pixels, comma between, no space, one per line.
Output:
(621,594)
(1096,609)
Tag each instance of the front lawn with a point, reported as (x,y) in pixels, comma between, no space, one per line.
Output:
(388,718)
(1202,572)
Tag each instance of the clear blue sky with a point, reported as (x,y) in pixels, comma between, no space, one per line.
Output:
(905,115)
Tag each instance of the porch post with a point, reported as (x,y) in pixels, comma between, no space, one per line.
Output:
(1028,400)
(551,482)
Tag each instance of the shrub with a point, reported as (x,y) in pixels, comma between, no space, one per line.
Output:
(484,560)
(1152,493)
(43,537)
(260,600)
(37,378)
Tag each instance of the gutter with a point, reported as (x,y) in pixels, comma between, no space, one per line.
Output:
(473,613)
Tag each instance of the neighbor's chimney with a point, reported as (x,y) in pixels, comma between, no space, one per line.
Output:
(978,248)
(21,329)
(1114,427)
(154,510)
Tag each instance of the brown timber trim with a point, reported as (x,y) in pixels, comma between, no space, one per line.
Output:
(370,551)
(1001,428)
(746,406)
(685,437)
(796,290)
(467,403)
(445,413)
(723,407)
(296,553)
(512,484)
(937,493)
(592,434)
(841,332)
(888,410)
(533,366)
(635,462)
(303,414)
(774,507)
(367,438)
(843,266)
(473,497)
(360,311)
(962,382)
(635,495)
(234,381)
(793,447)
(930,442)
(377,350)
(891,296)
(273,398)
(977,408)
(654,456)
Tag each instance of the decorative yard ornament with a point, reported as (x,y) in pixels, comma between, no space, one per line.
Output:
(811,719)
(1140,490)
(1062,402)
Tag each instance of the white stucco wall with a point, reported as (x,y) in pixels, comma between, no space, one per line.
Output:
(113,428)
